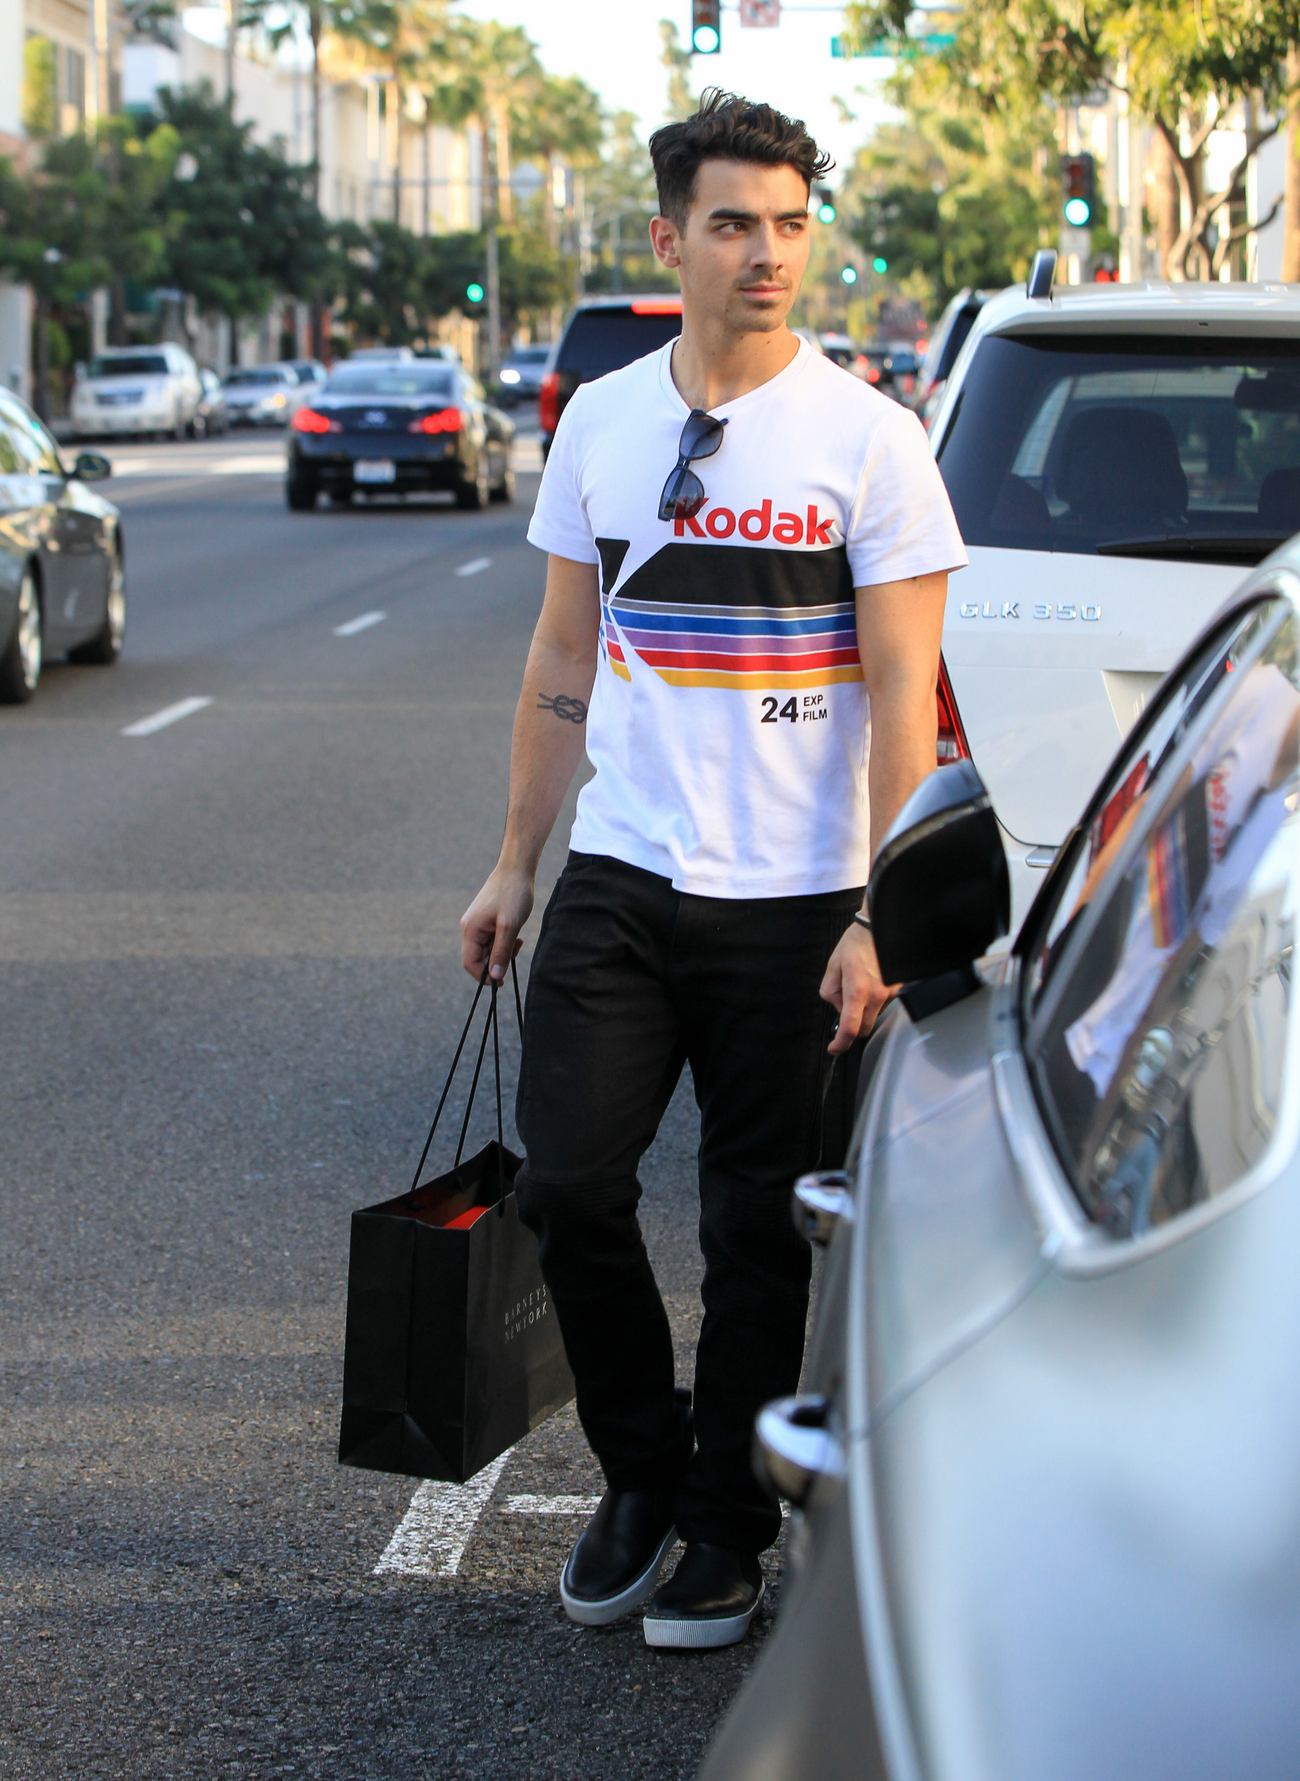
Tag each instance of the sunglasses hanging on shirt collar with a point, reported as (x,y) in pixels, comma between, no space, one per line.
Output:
(683,494)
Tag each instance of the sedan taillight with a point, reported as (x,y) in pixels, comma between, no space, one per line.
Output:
(952,744)
(548,402)
(310,420)
(444,420)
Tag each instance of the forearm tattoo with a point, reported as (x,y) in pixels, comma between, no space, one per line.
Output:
(573,711)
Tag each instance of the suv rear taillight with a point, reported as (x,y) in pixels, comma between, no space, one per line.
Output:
(952,744)
(548,402)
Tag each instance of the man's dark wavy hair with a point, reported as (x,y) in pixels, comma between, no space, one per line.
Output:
(729,128)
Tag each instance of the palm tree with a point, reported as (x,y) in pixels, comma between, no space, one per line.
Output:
(564,126)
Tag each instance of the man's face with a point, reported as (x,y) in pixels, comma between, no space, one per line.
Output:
(743,251)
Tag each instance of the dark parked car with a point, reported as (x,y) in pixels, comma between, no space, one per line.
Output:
(1047,1460)
(946,342)
(62,571)
(400,427)
(603,334)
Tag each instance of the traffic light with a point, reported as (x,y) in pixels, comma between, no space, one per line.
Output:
(474,292)
(825,205)
(1078,189)
(880,264)
(706,27)
(849,274)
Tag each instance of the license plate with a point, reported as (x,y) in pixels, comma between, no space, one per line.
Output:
(374,470)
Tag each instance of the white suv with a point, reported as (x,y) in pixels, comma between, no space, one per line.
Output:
(1116,456)
(137,390)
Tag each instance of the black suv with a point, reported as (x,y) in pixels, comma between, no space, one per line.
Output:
(602,334)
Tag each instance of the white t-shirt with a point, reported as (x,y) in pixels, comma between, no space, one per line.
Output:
(728,724)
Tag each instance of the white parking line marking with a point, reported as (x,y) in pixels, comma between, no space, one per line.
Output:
(363,623)
(170,714)
(549,1505)
(476,567)
(431,1537)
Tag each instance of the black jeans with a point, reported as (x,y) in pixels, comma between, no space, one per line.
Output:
(630,980)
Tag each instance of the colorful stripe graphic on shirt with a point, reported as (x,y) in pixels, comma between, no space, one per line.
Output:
(738,617)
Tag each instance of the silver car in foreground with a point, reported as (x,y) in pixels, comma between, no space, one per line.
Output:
(1047,1468)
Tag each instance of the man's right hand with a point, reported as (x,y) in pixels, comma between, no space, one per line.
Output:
(489,928)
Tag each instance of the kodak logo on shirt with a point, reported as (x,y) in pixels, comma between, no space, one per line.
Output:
(755,524)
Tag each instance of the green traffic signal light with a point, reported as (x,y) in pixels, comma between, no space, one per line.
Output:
(849,274)
(1078,189)
(880,264)
(826,213)
(706,27)
(474,292)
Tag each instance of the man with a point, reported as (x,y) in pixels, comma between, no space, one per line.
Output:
(732,645)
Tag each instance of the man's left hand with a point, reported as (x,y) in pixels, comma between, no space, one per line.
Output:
(853,987)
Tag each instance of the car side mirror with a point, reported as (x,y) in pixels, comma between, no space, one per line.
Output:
(940,892)
(91,466)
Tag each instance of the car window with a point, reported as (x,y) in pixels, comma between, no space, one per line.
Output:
(390,379)
(601,340)
(1160,1028)
(10,463)
(33,446)
(143,364)
(258,374)
(1182,448)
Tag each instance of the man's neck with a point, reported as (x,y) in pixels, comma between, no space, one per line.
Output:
(710,367)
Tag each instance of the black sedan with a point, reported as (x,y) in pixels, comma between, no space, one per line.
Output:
(399,428)
(62,571)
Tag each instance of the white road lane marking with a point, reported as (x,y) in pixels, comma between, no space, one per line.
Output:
(351,628)
(431,1537)
(170,714)
(476,567)
(527,1505)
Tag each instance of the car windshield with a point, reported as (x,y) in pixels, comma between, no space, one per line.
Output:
(528,355)
(391,380)
(142,364)
(601,340)
(1189,448)
(257,374)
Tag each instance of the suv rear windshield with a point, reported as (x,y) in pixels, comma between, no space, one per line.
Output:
(1186,449)
(601,340)
(144,364)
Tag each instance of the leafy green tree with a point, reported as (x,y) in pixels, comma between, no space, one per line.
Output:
(1180,65)
(40,96)
(952,195)
(243,227)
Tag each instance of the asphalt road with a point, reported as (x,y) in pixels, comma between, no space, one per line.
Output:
(228,976)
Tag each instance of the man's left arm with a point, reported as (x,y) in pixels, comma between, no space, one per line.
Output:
(900,624)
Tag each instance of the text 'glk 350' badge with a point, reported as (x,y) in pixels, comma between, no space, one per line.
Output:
(1069,611)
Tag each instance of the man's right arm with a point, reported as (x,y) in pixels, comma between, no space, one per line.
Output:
(548,742)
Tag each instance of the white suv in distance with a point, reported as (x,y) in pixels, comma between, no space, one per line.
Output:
(1117,456)
(137,390)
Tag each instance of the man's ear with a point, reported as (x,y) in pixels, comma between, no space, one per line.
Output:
(664,241)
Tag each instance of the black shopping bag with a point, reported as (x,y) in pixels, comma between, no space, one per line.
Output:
(453,1349)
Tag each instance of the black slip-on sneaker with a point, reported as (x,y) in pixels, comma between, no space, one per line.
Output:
(709,1600)
(616,1563)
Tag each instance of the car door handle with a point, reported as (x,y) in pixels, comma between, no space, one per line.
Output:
(794,1447)
(821,1202)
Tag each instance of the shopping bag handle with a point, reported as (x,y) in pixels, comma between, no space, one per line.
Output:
(489,1026)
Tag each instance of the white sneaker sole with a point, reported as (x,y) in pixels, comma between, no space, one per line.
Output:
(614,1607)
(673,1634)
